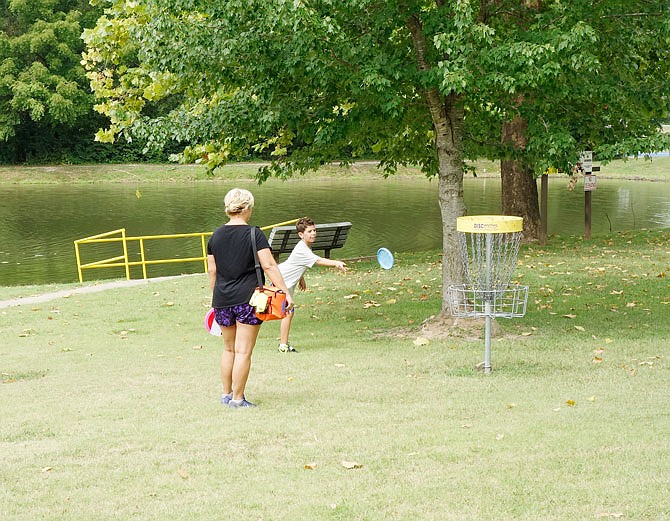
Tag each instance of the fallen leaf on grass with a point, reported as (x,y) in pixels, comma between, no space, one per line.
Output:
(351,465)
(630,304)
(183,474)
(309,466)
(47,469)
(570,403)
(580,328)
(597,360)
(421,341)
(349,297)
(569,316)
(197,347)
(615,515)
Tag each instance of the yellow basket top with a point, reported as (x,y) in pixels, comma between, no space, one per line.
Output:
(489,224)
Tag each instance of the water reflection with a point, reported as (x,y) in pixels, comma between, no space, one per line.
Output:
(402,214)
(661,219)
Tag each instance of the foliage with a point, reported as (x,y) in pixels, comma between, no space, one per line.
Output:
(42,83)
(46,107)
(312,98)
(583,76)
(310,82)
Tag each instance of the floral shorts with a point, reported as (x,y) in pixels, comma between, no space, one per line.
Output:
(242,313)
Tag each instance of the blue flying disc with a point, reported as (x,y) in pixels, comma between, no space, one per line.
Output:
(385,258)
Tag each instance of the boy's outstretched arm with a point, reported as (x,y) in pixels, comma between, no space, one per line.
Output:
(333,263)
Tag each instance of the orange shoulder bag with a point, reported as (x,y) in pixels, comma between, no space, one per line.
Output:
(268,301)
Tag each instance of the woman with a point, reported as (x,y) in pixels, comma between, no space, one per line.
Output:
(232,278)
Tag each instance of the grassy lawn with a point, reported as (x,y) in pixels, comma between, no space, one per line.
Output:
(656,169)
(110,400)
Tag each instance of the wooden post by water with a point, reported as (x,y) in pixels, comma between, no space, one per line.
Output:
(587,214)
(586,162)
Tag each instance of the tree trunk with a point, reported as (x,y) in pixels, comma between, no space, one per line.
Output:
(448,141)
(447,116)
(519,188)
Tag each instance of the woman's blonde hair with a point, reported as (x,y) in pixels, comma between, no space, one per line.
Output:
(238,200)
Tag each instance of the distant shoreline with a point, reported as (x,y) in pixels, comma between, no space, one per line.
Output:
(655,169)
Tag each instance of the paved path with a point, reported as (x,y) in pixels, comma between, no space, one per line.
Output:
(45,297)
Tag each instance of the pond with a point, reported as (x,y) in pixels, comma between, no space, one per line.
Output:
(40,223)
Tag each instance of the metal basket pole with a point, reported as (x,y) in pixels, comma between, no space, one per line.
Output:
(487,305)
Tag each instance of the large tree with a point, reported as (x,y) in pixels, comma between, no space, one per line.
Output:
(43,86)
(308,82)
(610,99)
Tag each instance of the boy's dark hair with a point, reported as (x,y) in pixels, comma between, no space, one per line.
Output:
(303,223)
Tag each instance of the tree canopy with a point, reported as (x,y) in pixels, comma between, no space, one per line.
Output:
(320,81)
(426,83)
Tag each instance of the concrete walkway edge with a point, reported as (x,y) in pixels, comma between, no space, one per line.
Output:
(36,299)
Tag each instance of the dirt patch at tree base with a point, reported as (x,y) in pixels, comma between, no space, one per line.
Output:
(444,326)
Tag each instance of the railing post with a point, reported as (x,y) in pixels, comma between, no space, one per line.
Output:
(143,259)
(125,252)
(204,251)
(79,270)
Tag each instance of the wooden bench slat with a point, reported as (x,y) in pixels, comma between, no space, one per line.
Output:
(329,236)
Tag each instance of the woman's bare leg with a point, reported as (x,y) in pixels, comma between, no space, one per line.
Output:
(245,340)
(228,358)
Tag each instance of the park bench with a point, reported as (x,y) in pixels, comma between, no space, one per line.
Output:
(328,237)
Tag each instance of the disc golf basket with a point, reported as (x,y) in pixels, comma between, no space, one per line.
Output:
(489,246)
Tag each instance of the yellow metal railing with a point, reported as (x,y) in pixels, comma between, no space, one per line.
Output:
(119,236)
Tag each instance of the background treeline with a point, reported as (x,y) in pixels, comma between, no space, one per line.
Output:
(46,103)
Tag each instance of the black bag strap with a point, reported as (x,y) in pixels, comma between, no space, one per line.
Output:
(257,264)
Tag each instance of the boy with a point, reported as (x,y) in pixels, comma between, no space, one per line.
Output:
(294,267)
